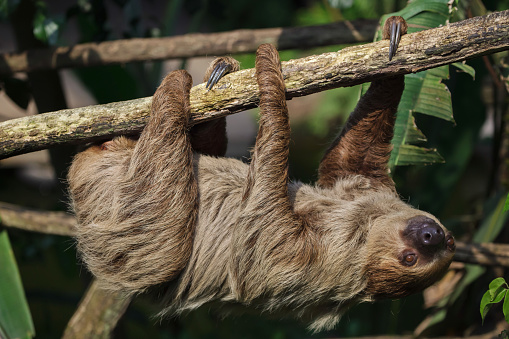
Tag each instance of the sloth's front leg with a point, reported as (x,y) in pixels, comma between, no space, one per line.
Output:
(270,247)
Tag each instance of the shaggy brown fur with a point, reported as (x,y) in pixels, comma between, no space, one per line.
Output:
(218,231)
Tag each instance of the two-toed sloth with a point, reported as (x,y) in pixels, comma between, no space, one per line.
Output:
(168,210)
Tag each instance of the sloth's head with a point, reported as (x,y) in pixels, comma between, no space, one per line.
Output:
(374,237)
(408,251)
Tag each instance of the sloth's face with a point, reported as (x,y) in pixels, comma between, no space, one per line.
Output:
(426,241)
(407,254)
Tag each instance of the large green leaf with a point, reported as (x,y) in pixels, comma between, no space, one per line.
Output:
(426,94)
(15,318)
(410,154)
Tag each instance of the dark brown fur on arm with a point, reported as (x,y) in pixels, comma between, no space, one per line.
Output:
(364,144)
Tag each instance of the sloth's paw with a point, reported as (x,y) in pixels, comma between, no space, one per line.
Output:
(395,27)
(219,68)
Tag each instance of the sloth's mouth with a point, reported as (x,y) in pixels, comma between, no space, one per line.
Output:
(450,243)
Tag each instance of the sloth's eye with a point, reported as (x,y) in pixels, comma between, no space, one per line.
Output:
(409,259)
(106,145)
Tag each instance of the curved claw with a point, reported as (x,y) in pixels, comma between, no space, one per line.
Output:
(221,69)
(395,38)
(395,27)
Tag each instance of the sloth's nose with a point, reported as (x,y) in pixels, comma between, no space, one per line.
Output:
(427,236)
(430,233)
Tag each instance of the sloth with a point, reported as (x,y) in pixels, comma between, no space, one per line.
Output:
(168,212)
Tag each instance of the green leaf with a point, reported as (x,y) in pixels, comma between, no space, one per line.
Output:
(485,305)
(413,134)
(506,205)
(495,286)
(499,295)
(15,318)
(46,30)
(494,295)
(505,307)
(434,98)
(424,93)
(412,155)
(465,68)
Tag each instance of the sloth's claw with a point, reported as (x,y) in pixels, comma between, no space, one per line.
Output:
(395,38)
(219,71)
(395,27)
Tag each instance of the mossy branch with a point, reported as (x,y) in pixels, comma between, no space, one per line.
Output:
(238,91)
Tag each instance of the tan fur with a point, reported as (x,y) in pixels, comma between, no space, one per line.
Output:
(217,231)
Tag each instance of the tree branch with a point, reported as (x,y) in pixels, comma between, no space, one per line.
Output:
(59,223)
(98,313)
(238,91)
(185,46)
(485,254)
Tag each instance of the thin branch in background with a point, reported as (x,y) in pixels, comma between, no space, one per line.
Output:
(58,223)
(185,46)
(485,254)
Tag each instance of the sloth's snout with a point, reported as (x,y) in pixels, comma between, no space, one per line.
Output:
(430,233)
(427,235)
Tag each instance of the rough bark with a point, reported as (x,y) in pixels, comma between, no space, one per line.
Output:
(58,223)
(238,91)
(97,315)
(185,46)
